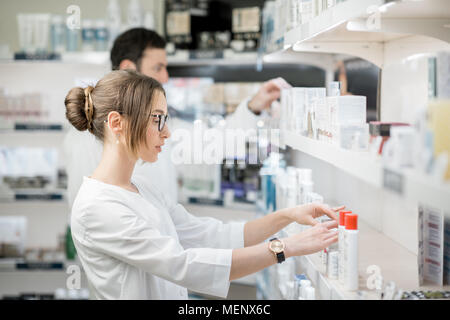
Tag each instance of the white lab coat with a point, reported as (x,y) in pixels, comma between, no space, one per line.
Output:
(143,246)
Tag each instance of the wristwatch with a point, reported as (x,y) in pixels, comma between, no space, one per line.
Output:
(277,247)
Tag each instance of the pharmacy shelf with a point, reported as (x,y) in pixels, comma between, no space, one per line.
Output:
(358,164)
(182,58)
(35,138)
(32,195)
(329,19)
(396,264)
(372,29)
(408,183)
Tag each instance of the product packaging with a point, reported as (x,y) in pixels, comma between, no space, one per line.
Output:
(352,137)
(434,246)
(341,244)
(88,35)
(347,110)
(298,115)
(57,34)
(439,124)
(380,133)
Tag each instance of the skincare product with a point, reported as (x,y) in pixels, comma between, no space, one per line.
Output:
(351,252)
(341,244)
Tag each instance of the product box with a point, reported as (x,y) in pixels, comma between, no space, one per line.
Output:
(431,251)
(286,109)
(345,110)
(439,124)
(380,133)
(447,249)
(312,97)
(321,121)
(298,119)
(353,137)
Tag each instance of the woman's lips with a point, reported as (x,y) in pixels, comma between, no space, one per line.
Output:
(159,148)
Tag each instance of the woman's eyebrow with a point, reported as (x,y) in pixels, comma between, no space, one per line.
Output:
(158,111)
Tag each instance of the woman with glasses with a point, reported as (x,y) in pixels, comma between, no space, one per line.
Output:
(132,241)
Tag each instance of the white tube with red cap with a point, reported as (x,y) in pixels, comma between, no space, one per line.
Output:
(341,244)
(351,252)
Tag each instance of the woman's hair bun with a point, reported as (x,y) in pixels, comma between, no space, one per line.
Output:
(75,108)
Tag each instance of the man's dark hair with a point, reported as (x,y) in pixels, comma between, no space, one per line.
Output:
(131,45)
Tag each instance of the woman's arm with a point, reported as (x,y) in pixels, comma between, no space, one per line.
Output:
(251,259)
(258,230)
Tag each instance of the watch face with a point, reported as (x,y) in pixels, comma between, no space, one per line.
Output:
(277,246)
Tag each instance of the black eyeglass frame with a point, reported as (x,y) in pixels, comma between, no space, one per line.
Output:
(159,116)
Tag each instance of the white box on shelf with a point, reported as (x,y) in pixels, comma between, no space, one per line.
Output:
(298,109)
(313,95)
(321,120)
(353,137)
(346,110)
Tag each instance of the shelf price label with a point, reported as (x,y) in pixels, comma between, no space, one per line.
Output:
(393,181)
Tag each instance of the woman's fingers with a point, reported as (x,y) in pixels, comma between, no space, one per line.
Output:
(330,234)
(330,224)
(331,240)
(336,209)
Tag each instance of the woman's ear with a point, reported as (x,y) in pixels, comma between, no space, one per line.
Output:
(127,64)
(115,122)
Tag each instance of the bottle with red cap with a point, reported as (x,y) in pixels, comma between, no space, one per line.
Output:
(341,244)
(351,252)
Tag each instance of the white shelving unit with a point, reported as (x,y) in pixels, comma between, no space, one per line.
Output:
(390,34)
(394,261)
(379,31)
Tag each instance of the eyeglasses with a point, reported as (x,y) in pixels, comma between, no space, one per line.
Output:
(162,119)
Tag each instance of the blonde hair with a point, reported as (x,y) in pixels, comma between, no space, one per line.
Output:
(124,91)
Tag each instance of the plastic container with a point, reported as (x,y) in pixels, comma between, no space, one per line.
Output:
(88,35)
(101,35)
(341,244)
(57,34)
(351,252)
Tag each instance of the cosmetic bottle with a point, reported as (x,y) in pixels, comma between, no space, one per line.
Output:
(310,293)
(297,286)
(351,252)
(333,264)
(306,184)
(341,244)
(113,20)
(101,35)
(303,285)
(88,35)
(57,32)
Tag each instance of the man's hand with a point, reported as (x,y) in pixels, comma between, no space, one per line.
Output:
(269,92)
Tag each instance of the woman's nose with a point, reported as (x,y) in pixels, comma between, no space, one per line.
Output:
(165,133)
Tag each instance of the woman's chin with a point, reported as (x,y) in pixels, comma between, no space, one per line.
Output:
(150,159)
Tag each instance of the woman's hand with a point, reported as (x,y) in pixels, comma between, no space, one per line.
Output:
(307,214)
(312,240)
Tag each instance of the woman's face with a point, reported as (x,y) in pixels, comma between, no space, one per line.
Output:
(155,139)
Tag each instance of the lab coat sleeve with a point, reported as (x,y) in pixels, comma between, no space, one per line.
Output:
(116,231)
(195,232)
(242,117)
